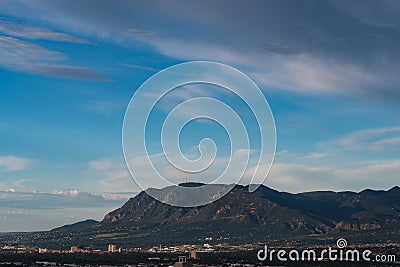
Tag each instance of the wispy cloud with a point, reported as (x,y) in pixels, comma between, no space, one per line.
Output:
(14,163)
(73,72)
(375,139)
(307,54)
(60,199)
(104,107)
(34,211)
(356,176)
(28,57)
(25,31)
(308,73)
(119,195)
(133,66)
(10,185)
(387,144)
(116,180)
(276,48)
(114,175)
(223,169)
(101,164)
(20,185)
(313,156)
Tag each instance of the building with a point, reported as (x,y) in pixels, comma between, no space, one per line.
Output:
(183,262)
(194,255)
(112,248)
(76,249)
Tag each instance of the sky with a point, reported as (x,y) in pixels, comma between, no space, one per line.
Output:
(68,69)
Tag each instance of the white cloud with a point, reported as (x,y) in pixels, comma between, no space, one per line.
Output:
(29,32)
(313,156)
(101,164)
(302,72)
(297,177)
(223,170)
(28,57)
(60,199)
(114,176)
(387,144)
(375,139)
(116,180)
(118,195)
(20,185)
(69,192)
(104,107)
(308,73)
(379,174)
(35,211)
(305,54)
(374,174)
(17,54)
(13,163)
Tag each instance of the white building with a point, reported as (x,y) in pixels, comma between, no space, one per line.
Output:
(112,248)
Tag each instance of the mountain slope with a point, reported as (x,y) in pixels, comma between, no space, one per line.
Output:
(76,226)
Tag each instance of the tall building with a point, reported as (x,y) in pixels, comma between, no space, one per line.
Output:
(194,255)
(112,248)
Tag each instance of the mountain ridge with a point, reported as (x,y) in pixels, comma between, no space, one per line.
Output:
(269,211)
(239,217)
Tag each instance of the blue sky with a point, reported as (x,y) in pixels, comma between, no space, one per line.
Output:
(68,70)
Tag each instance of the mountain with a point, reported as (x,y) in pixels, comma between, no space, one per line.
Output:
(76,226)
(266,212)
(238,217)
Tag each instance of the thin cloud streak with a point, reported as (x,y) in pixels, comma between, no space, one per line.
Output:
(114,175)
(29,32)
(27,57)
(373,139)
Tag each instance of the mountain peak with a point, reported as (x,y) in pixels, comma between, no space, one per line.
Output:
(394,189)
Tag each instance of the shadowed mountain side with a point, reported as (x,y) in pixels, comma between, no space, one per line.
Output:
(79,226)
